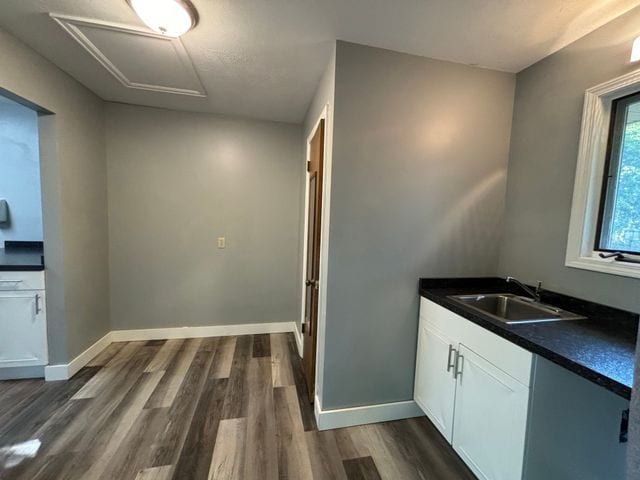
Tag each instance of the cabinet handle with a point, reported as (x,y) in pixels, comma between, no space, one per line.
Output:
(450,364)
(624,427)
(459,366)
(38,309)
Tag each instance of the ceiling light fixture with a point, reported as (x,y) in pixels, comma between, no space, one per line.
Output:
(635,50)
(172,18)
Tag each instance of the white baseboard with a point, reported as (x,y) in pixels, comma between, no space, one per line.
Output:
(68,370)
(198,332)
(348,417)
(298,335)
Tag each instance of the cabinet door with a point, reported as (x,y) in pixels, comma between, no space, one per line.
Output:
(491,417)
(435,387)
(23,338)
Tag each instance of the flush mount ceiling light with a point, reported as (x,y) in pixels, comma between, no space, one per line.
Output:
(635,50)
(168,17)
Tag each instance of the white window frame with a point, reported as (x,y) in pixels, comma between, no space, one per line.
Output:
(589,176)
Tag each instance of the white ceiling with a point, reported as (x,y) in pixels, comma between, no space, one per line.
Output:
(263,58)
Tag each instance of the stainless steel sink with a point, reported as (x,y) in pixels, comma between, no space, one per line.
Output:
(513,309)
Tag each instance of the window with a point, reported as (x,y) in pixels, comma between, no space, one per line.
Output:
(604,232)
(619,216)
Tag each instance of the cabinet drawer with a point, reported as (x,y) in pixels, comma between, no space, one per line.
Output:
(442,319)
(508,357)
(12,281)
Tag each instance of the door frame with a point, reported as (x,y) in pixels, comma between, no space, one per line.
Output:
(324,244)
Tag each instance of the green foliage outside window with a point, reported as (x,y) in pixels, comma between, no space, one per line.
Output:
(625,221)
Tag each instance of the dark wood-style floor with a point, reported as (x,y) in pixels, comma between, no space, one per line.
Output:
(210,408)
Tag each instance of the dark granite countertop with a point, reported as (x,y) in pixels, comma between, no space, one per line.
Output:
(21,256)
(600,348)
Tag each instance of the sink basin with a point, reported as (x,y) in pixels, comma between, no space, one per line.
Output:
(513,309)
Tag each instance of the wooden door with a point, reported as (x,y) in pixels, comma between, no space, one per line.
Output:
(310,327)
(490,418)
(435,385)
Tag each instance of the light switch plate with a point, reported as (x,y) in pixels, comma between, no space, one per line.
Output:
(221,242)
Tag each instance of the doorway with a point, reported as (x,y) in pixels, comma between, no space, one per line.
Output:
(24,347)
(315,175)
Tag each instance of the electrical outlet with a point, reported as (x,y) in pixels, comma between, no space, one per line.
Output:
(221,242)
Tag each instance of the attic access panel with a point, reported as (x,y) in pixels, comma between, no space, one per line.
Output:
(137,58)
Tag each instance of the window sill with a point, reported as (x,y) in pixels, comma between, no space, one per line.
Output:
(609,266)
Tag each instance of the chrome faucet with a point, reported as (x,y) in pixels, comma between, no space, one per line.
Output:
(534,294)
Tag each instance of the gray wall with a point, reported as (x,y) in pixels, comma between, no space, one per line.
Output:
(74,197)
(633,450)
(419,169)
(177,181)
(20,171)
(324,95)
(544,150)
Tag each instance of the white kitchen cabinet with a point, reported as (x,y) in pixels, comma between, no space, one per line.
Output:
(490,418)
(474,386)
(23,342)
(435,386)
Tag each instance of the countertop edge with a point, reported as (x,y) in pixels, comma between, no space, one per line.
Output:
(21,268)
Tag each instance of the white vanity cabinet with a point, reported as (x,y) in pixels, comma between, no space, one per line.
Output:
(23,342)
(474,386)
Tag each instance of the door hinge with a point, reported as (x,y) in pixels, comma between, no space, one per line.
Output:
(302,329)
(308,166)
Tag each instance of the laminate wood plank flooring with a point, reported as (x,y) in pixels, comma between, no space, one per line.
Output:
(227,461)
(228,408)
